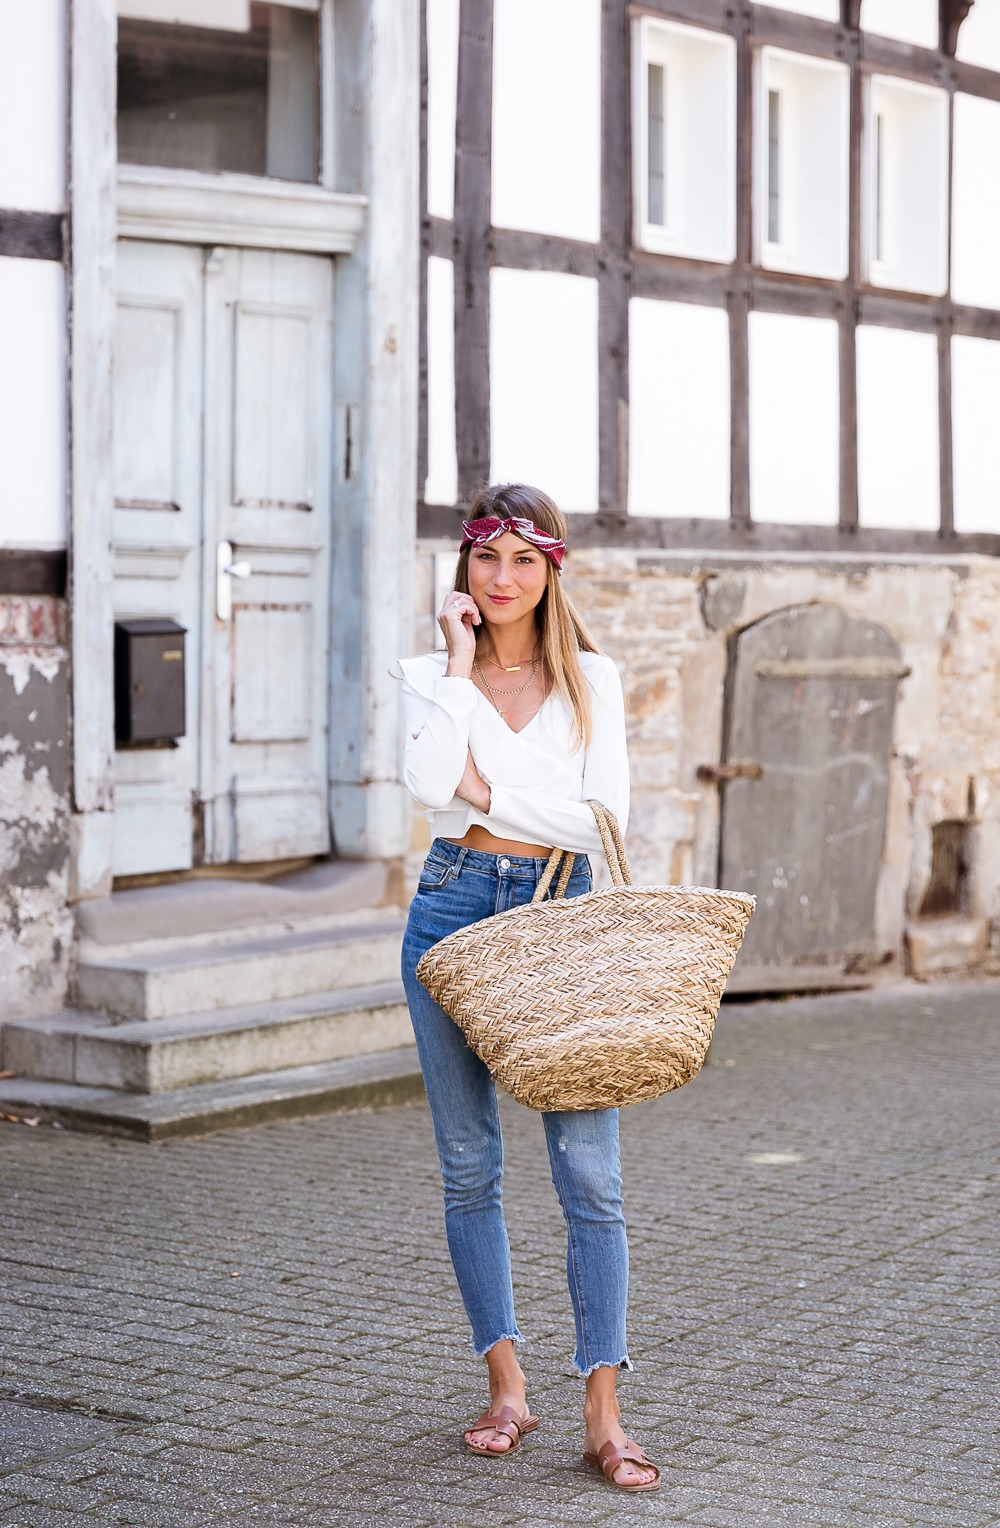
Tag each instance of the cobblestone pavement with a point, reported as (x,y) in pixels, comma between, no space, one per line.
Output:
(260,1327)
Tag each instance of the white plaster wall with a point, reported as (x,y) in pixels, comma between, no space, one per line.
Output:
(975,256)
(442,461)
(913,21)
(33,67)
(979,35)
(32,404)
(543,384)
(442,88)
(898,460)
(678,455)
(975,393)
(826,10)
(794,419)
(547,116)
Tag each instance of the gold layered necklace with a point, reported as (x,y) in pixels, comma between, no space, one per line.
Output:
(495,690)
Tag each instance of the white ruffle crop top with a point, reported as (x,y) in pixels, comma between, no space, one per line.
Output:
(539,780)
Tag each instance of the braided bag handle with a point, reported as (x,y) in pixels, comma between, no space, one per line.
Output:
(614,852)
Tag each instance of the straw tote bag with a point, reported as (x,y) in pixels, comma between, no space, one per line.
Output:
(597,1001)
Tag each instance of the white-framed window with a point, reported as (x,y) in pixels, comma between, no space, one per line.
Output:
(684,137)
(906,185)
(801,125)
(905,211)
(221,85)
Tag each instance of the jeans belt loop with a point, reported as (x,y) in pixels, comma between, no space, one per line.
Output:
(456,868)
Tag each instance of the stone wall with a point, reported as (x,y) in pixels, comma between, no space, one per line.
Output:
(36,927)
(667,619)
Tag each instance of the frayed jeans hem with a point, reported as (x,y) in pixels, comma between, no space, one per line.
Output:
(619,1363)
(514,1336)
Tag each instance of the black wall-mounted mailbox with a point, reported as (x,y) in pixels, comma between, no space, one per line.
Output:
(149,681)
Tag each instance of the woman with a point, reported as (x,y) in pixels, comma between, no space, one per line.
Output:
(508,734)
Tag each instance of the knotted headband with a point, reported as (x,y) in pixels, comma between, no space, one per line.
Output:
(479,532)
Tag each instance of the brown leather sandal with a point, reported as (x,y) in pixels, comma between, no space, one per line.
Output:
(610,1457)
(507,1423)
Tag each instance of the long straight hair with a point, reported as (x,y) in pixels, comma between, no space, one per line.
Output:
(563,634)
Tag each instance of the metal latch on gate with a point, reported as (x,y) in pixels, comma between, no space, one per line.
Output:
(716,773)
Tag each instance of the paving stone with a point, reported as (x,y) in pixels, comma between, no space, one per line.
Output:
(814,1340)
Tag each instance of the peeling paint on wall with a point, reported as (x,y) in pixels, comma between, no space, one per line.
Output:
(36,926)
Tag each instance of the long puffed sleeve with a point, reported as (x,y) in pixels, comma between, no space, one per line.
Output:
(539,818)
(436,713)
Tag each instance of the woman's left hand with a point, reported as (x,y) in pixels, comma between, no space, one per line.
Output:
(472,787)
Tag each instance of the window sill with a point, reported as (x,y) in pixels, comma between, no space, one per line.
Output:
(185,207)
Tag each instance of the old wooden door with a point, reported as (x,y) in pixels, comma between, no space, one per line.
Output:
(222,450)
(267,511)
(811,697)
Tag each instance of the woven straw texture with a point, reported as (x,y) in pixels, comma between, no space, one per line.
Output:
(596,1001)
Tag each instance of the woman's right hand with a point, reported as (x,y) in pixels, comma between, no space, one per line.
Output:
(458,615)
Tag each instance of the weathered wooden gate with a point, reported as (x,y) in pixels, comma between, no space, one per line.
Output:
(811,694)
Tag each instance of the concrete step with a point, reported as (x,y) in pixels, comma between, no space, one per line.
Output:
(184,1050)
(192,978)
(360,1082)
(207,909)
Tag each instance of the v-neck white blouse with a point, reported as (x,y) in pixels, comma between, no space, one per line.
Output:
(539,781)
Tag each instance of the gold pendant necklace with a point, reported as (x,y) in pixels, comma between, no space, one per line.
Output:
(515,668)
(494,690)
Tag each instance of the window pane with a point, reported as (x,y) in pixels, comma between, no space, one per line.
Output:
(773,166)
(201,98)
(880,186)
(656,190)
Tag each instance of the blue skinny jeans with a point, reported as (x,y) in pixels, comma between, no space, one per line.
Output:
(459,886)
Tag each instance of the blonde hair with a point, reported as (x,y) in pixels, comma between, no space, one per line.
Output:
(563,634)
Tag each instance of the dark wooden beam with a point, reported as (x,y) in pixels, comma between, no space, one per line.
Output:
(32,235)
(29,573)
(738,301)
(788,29)
(975,81)
(472,242)
(983,323)
(803,298)
(889,311)
(613,264)
(717,14)
(679,280)
(847,337)
(542,252)
(425,251)
(890,56)
(652,533)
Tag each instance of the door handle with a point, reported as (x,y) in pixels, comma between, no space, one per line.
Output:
(717,773)
(225,571)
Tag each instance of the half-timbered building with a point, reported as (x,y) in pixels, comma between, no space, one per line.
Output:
(725,280)
(279,284)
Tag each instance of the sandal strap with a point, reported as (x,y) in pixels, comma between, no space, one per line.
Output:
(610,1457)
(506,1422)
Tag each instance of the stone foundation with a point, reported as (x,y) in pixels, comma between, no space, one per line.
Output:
(36,927)
(667,619)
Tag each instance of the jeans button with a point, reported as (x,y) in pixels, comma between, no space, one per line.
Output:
(504,864)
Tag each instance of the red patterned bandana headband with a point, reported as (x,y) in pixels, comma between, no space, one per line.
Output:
(479,532)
